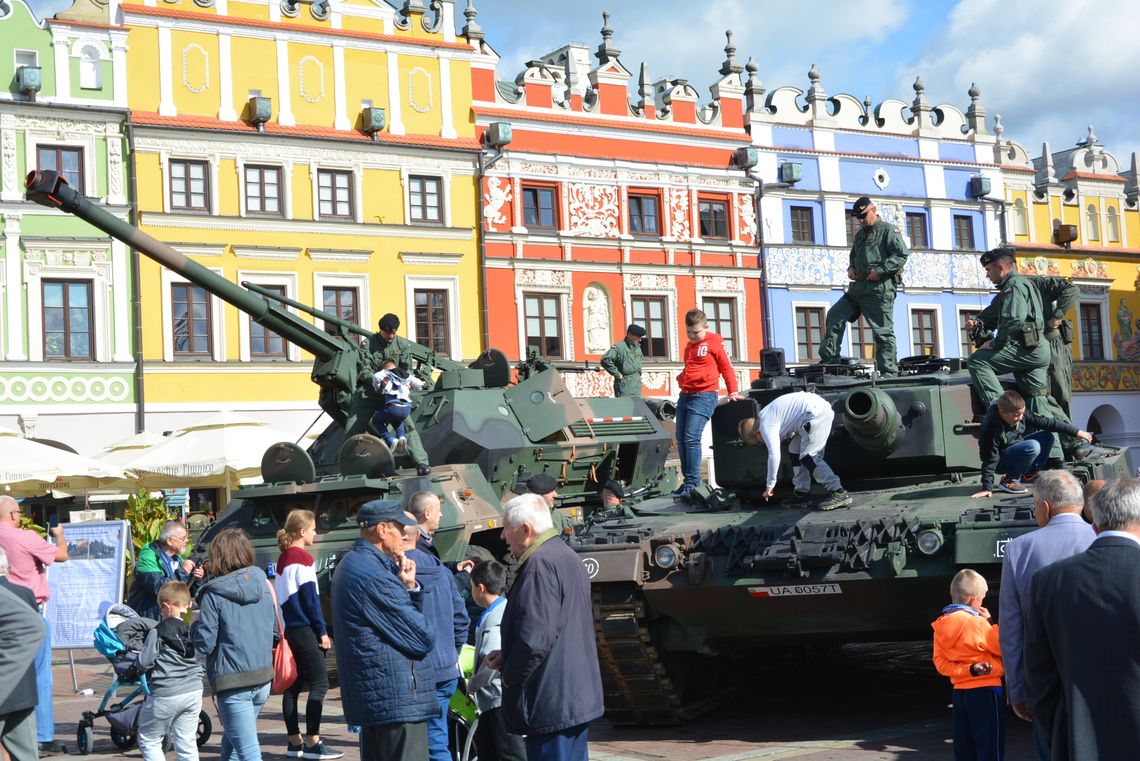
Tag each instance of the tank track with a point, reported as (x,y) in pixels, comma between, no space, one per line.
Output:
(635,684)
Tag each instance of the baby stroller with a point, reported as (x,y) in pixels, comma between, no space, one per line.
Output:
(119,624)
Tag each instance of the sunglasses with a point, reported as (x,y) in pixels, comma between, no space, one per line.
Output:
(863,215)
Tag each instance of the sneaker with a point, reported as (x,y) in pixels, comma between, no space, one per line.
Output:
(681,491)
(838,498)
(294,750)
(797,499)
(1011,486)
(52,748)
(1029,477)
(319,751)
(401,445)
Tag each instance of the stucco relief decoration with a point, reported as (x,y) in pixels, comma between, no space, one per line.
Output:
(8,149)
(641,281)
(593,210)
(115,167)
(311,75)
(596,317)
(419,90)
(746,218)
(527,167)
(1040,265)
(1091,269)
(966,273)
(807,266)
(587,385)
(552,278)
(195,68)
(497,196)
(1107,377)
(719,284)
(657,381)
(678,201)
(1126,337)
(927,270)
(592,173)
(39,388)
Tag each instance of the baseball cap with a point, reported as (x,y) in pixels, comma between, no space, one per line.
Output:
(382,511)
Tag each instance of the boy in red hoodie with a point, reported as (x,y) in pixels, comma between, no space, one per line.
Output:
(966,649)
(706,362)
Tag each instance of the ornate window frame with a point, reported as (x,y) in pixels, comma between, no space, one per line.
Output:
(448,283)
(35,136)
(49,260)
(654,284)
(559,282)
(217,319)
(287,280)
(322,280)
(715,287)
(939,328)
(797,304)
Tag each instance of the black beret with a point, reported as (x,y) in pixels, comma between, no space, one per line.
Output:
(615,487)
(389,322)
(994,254)
(636,330)
(860,206)
(541,483)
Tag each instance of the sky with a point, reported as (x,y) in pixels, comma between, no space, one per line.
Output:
(1049,67)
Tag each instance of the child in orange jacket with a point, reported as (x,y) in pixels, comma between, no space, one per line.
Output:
(966,649)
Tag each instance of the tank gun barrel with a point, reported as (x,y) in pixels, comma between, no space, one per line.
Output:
(871,418)
(48,188)
(351,327)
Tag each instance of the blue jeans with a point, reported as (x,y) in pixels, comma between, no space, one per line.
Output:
(45,715)
(568,745)
(693,413)
(392,415)
(437,727)
(238,710)
(1026,456)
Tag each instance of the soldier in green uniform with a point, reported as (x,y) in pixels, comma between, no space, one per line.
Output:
(1018,345)
(544,485)
(875,269)
(623,362)
(384,344)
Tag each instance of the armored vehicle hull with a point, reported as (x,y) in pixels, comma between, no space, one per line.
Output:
(683,587)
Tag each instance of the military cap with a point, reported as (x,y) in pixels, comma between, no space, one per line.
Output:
(636,330)
(541,483)
(861,206)
(382,511)
(994,254)
(389,322)
(615,488)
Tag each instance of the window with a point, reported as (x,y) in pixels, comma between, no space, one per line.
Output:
(1020,218)
(67,161)
(965,345)
(341,302)
(424,199)
(809,333)
(862,340)
(68,332)
(852,228)
(263,342)
(916,229)
(190,305)
(189,186)
(963,232)
(643,215)
(538,207)
(1113,225)
(432,328)
(1092,341)
(714,218)
(542,313)
(721,314)
(650,313)
(334,194)
(803,227)
(1093,218)
(263,190)
(90,69)
(924,332)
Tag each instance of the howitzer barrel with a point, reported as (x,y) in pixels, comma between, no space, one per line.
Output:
(871,419)
(351,327)
(48,188)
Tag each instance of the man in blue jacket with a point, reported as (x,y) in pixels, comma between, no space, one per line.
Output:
(386,686)
(552,688)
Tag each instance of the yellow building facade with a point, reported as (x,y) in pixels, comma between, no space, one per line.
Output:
(327,154)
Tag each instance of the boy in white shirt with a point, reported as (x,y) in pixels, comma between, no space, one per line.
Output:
(396,387)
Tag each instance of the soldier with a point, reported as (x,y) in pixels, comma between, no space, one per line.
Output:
(1017,345)
(875,269)
(384,344)
(544,485)
(623,362)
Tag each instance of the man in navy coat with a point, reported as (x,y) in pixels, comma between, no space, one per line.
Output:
(1081,667)
(1057,502)
(552,687)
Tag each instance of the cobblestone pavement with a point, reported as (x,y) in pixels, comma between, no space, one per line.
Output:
(858,703)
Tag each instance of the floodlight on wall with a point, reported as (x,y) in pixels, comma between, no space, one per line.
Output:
(1064,235)
(29,80)
(498,134)
(373,121)
(979,187)
(260,111)
(791,172)
(745,157)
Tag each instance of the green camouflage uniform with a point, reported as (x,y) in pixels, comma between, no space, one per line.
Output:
(623,362)
(879,248)
(365,402)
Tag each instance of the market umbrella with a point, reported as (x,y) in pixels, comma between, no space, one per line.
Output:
(129,448)
(29,467)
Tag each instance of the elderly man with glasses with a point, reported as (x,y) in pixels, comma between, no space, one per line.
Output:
(159,562)
(875,267)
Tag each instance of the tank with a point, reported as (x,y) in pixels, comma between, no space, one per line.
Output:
(688,588)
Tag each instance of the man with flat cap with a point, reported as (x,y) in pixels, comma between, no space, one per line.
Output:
(623,362)
(544,485)
(875,271)
(386,685)
(1018,345)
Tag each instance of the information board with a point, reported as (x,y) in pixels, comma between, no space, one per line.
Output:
(89,582)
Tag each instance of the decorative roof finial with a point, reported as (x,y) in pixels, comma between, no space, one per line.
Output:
(730,65)
(976,114)
(919,86)
(974,92)
(867,104)
(816,91)
(472,30)
(607,51)
(753,88)
(813,75)
(999,128)
(644,84)
(1091,140)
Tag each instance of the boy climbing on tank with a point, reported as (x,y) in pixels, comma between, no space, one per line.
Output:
(395,386)
(805,419)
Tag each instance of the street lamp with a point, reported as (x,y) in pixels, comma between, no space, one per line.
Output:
(980,190)
(789,174)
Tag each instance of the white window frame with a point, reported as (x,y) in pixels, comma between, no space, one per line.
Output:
(671,319)
(212,164)
(100,275)
(444,178)
(217,317)
(737,297)
(18,52)
(565,323)
(34,139)
(286,189)
(958,310)
(1020,217)
(322,280)
(287,280)
(1101,302)
(448,283)
(939,328)
(795,342)
(356,170)
(102,55)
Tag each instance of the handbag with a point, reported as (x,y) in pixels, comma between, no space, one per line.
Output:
(284,664)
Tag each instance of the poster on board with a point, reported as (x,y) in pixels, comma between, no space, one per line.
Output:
(89,582)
